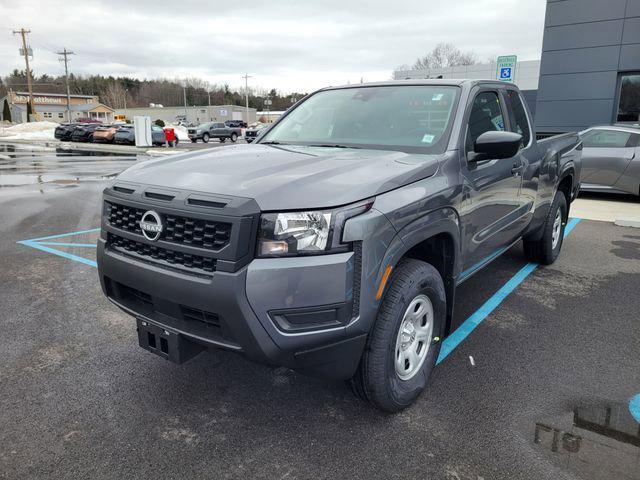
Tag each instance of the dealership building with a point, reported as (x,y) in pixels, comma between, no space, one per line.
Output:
(52,107)
(191,115)
(589,71)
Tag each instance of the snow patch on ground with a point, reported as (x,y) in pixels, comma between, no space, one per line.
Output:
(29,131)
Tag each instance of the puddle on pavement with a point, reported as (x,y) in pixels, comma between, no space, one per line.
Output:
(594,442)
(24,166)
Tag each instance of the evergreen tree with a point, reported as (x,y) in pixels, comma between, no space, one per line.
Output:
(6,111)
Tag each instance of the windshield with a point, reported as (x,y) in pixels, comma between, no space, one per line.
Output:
(409,118)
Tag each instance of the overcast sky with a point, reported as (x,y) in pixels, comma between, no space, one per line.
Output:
(285,44)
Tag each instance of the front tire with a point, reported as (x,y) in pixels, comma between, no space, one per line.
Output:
(546,250)
(205,137)
(403,345)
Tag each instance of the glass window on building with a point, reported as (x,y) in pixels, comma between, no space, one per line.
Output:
(629,105)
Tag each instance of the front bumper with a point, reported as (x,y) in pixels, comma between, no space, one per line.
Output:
(292,312)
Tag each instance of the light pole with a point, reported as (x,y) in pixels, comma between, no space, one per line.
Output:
(246,95)
(184,94)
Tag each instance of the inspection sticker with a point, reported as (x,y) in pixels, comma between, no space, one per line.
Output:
(428,138)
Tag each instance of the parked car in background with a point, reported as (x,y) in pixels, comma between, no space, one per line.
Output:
(125,135)
(236,123)
(84,132)
(105,133)
(251,133)
(86,120)
(63,131)
(206,131)
(611,159)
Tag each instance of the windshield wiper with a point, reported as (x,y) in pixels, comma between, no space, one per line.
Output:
(331,145)
(273,142)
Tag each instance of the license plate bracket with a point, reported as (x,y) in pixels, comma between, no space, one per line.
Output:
(165,342)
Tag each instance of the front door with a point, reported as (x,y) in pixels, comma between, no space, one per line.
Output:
(491,189)
(605,156)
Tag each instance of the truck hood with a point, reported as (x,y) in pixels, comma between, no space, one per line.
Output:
(286,177)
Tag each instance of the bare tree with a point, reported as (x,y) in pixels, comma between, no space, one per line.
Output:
(445,55)
(113,95)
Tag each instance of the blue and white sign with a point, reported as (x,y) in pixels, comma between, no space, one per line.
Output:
(506,68)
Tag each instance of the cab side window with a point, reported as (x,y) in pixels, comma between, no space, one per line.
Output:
(518,114)
(486,116)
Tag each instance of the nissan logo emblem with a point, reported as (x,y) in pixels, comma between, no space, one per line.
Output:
(151,225)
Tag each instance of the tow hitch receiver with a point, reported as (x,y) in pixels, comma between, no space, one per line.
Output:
(165,342)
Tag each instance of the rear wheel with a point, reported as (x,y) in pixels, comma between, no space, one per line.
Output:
(547,248)
(205,137)
(234,137)
(403,346)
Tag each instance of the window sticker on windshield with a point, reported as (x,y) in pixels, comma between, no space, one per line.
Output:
(437,97)
(428,138)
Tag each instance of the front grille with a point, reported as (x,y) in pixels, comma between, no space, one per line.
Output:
(195,232)
(159,255)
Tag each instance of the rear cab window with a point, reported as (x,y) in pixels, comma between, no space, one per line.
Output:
(518,116)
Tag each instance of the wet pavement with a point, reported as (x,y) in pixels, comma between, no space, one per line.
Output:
(547,395)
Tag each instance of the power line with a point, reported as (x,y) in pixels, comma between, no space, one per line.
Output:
(65,58)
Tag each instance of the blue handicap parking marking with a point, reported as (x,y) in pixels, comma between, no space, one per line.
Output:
(634,407)
(469,325)
(54,243)
(505,72)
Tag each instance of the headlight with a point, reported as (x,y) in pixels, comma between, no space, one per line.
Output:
(199,131)
(305,233)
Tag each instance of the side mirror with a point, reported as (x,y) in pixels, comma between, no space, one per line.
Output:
(496,144)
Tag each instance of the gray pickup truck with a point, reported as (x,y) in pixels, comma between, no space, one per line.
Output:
(219,130)
(335,243)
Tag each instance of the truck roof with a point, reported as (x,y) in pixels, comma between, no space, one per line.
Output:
(428,81)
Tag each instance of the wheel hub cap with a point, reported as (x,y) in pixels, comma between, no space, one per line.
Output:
(414,337)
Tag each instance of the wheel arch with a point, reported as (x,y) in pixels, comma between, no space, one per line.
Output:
(435,239)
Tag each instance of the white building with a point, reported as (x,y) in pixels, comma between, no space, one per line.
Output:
(190,115)
(527,73)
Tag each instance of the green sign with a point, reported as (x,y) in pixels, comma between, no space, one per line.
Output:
(506,68)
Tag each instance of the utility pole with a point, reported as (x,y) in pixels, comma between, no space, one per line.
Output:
(246,95)
(126,90)
(25,51)
(184,94)
(65,54)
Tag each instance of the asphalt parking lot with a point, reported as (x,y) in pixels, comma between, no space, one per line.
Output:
(540,389)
